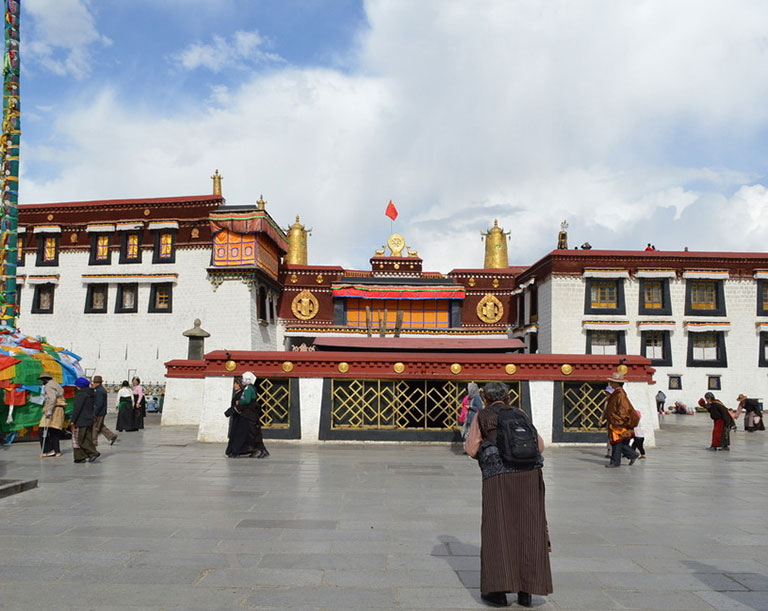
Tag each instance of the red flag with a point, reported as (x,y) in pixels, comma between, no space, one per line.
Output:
(391,211)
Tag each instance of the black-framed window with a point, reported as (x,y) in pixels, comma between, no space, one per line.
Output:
(675,382)
(604,296)
(101,251)
(130,247)
(47,249)
(534,304)
(713,383)
(762,360)
(127,298)
(704,297)
(707,349)
(762,297)
(656,346)
(165,246)
(161,298)
(521,310)
(654,297)
(262,297)
(96,298)
(606,342)
(42,299)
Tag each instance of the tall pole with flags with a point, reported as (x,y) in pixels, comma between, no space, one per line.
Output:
(9,159)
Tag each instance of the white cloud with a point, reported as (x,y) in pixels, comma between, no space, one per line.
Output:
(526,112)
(243,49)
(61,36)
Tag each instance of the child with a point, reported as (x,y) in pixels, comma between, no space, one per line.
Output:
(639,438)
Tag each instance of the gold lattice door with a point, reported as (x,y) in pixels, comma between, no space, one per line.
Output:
(275,396)
(583,404)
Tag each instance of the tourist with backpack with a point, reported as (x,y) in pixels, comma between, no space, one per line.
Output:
(514,554)
(622,420)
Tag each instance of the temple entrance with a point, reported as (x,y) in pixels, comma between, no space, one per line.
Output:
(577,410)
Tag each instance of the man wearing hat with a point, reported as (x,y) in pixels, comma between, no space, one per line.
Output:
(52,422)
(622,418)
(100,412)
(82,423)
(753,420)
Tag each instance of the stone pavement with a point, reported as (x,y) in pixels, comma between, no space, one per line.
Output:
(164,522)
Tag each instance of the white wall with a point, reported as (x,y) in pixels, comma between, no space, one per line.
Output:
(183,402)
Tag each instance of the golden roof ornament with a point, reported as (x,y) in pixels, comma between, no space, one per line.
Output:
(496,247)
(396,244)
(297,244)
(261,204)
(562,237)
(217,178)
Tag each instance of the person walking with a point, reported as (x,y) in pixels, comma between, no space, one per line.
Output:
(474,405)
(239,434)
(639,439)
(622,418)
(126,414)
(52,422)
(514,553)
(82,423)
(660,399)
(753,419)
(251,408)
(100,412)
(139,402)
(722,423)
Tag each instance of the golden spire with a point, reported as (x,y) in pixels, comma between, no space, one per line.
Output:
(261,203)
(217,182)
(297,244)
(496,247)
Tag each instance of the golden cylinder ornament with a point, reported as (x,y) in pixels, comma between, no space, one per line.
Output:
(496,248)
(297,244)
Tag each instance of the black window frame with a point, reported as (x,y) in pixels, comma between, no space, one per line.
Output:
(41,238)
(533,304)
(714,382)
(762,361)
(92,260)
(119,306)
(719,309)
(153,309)
(156,258)
(124,258)
(722,355)
(666,348)
(621,340)
(762,305)
(620,308)
(36,298)
(666,301)
(89,309)
(675,382)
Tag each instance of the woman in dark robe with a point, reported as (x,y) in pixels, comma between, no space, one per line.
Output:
(514,554)
(753,419)
(723,423)
(239,434)
(126,414)
(251,408)
(139,402)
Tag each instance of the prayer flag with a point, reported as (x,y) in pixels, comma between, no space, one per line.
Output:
(391,211)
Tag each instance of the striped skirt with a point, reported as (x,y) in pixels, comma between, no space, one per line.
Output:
(514,538)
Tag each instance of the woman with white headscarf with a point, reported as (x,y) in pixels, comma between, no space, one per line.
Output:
(251,409)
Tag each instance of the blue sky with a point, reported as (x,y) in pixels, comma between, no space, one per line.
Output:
(635,121)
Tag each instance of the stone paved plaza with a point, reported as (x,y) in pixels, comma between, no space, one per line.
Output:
(164,522)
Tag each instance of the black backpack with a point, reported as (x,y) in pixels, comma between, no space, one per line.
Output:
(516,438)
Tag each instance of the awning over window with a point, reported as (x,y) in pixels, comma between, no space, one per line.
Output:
(134,226)
(47,229)
(761,274)
(597,272)
(52,279)
(163,225)
(656,325)
(125,278)
(100,228)
(703,327)
(655,273)
(605,325)
(706,274)
(397,292)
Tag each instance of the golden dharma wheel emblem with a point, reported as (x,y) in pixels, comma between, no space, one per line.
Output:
(510,369)
(622,369)
(305,305)
(294,278)
(566,369)
(319,279)
(146,212)
(287,366)
(396,243)
(490,309)
(343,367)
(49,217)
(398,368)
(230,365)
(455,368)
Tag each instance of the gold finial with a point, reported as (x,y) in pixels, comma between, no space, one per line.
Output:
(261,203)
(562,237)
(297,244)
(496,247)
(217,178)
